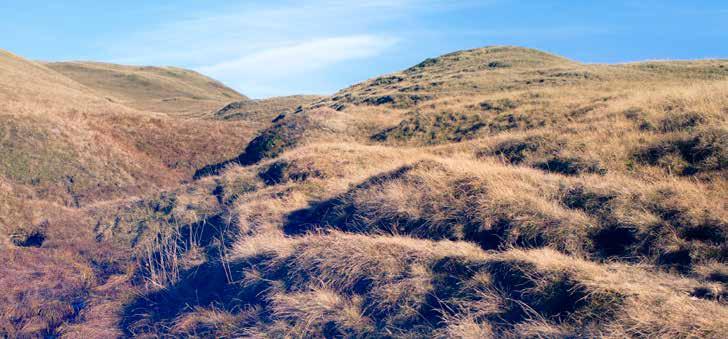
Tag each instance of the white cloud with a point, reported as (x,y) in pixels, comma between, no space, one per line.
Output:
(233,32)
(272,48)
(301,57)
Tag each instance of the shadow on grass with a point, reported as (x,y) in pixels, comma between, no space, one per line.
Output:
(207,284)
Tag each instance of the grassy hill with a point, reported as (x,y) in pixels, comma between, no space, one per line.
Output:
(264,109)
(159,89)
(496,192)
(61,144)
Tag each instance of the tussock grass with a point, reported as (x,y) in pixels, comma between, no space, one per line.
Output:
(436,201)
(511,193)
(265,110)
(402,286)
(703,151)
(547,153)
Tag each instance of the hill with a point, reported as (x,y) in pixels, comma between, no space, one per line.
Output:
(496,192)
(264,109)
(159,89)
(62,144)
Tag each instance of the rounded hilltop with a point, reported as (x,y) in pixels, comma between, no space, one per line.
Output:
(478,71)
(169,90)
(495,57)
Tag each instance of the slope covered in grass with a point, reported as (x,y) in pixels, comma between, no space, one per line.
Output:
(264,109)
(62,144)
(160,89)
(496,192)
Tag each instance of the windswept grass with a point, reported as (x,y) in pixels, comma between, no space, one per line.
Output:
(496,192)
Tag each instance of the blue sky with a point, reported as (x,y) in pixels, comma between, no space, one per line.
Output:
(267,48)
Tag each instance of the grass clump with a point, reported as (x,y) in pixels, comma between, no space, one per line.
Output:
(434,128)
(544,152)
(658,224)
(398,100)
(700,152)
(555,295)
(518,151)
(427,200)
(355,285)
(438,128)
(499,106)
(286,171)
(282,136)
(680,122)
(571,166)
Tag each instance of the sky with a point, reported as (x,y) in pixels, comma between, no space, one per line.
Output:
(272,48)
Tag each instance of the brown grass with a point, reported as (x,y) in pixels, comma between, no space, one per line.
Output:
(588,202)
(159,89)
(264,110)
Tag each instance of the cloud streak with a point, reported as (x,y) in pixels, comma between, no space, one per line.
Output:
(273,46)
(231,32)
(265,71)
(302,57)
(284,47)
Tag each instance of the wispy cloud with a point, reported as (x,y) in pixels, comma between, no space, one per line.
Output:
(263,45)
(270,70)
(302,57)
(280,47)
(232,32)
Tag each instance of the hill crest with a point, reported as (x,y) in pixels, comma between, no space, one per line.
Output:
(171,90)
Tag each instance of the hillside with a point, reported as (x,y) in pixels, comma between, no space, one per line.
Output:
(62,145)
(159,89)
(264,109)
(495,192)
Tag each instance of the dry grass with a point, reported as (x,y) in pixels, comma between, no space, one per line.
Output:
(58,287)
(264,110)
(363,285)
(169,90)
(506,193)
(62,144)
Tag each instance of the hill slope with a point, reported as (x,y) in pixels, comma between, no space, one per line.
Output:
(497,192)
(264,109)
(159,89)
(61,143)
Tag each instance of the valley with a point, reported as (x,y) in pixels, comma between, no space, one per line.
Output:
(494,192)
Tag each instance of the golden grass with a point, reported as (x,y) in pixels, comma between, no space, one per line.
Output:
(546,221)
(159,89)
(63,144)
(264,110)
(403,272)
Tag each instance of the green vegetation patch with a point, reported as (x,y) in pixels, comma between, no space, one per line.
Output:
(285,134)
(435,128)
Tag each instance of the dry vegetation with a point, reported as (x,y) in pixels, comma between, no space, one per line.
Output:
(159,89)
(498,192)
(264,109)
